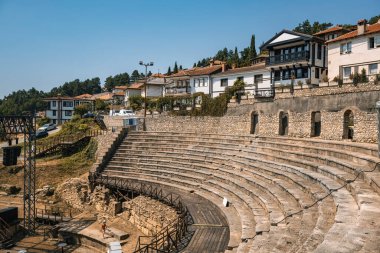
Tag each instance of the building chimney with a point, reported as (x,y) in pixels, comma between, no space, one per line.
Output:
(362,26)
(223,66)
(378,21)
(233,66)
(211,62)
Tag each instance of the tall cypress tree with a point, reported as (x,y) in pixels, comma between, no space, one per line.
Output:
(252,48)
(235,59)
(169,71)
(180,67)
(175,70)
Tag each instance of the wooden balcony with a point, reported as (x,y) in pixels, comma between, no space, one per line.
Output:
(288,58)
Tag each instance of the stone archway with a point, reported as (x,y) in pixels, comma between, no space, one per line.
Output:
(348,125)
(284,123)
(316,124)
(254,123)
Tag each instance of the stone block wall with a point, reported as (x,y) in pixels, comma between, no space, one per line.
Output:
(222,125)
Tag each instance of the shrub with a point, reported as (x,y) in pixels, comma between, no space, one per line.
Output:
(308,81)
(355,79)
(363,76)
(82,109)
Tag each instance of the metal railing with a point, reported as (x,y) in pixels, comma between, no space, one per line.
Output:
(169,238)
(54,142)
(284,58)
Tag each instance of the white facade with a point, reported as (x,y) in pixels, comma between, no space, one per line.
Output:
(200,84)
(152,91)
(62,110)
(259,79)
(343,60)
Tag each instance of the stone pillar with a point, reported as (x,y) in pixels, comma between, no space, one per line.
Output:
(378,126)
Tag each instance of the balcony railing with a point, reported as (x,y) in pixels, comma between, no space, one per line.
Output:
(285,58)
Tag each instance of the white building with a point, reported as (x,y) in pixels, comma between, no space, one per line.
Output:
(61,109)
(350,53)
(256,77)
(296,57)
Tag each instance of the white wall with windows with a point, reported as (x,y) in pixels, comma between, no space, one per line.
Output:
(200,84)
(259,78)
(350,56)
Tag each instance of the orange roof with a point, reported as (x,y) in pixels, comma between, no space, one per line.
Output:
(329,30)
(120,93)
(121,87)
(375,28)
(197,71)
(243,69)
(159,75)
(106,97)
(136,86)
(84,96)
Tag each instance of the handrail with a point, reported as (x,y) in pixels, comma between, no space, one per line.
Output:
(283,58)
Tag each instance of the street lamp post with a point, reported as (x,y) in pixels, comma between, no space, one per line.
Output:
(146,80)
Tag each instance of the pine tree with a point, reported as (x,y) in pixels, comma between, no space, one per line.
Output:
(180,67)
(169,71)
(235,59)
(252,48)
(175,69)
(194,65)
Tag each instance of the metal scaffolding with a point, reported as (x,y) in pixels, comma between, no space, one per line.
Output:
(13,125)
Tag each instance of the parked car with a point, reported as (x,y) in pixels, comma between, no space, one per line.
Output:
(124,112)
(40,134)
(88,115)
(48,127)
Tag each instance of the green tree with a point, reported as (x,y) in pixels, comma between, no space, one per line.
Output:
(169,71)
(235,59)
(374,19)
(135,75)
(82,109)
(307,28)
(252,48)
(100,105)
(175,69)
(180,67)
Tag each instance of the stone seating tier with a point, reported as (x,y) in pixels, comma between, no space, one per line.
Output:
(273,183)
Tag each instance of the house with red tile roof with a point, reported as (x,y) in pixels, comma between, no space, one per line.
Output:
(256,77)
(331,33)
(352,52)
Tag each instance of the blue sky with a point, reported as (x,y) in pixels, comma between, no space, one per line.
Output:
(44,43)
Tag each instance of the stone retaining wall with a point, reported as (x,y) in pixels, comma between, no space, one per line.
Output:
(223,125)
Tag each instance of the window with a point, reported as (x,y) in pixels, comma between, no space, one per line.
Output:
(54,113)
(285,75)
(371,42)
(277,75)
(54,103)
(319,52)
(224,82)
(67,104)
(68,113)
(346,72)
(241,78)
(372,69)
(345,48)
(317,73)
(374,42)
(258,79)
(299,73)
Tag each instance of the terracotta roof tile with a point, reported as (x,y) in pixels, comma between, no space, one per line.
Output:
(370,29)
(83,96)
(329,30)
(123,87)
(136,86)
(120,93)
(243,69)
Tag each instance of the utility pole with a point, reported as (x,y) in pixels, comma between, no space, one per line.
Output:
(146,81)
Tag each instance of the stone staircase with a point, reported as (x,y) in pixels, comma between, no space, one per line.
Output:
(286,194)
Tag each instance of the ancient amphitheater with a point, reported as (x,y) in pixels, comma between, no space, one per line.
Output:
(284,193)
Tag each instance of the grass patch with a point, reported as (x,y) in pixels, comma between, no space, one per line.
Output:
(54,170)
